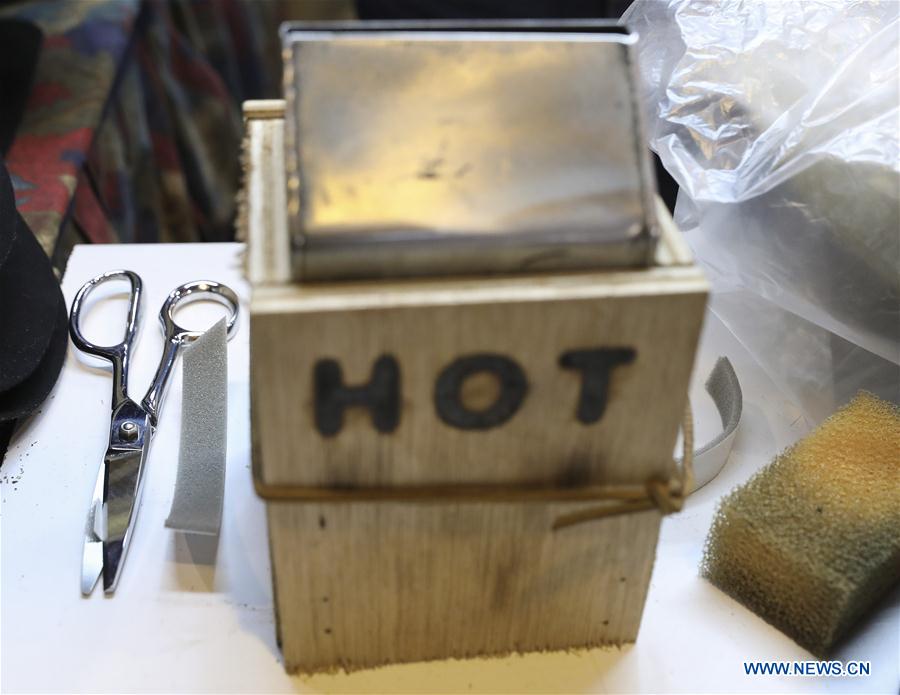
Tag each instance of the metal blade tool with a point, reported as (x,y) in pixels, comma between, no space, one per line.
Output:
(116,496)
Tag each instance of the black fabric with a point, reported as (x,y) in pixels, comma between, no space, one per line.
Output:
(20,47)
(8,213)
(33,319)
(6,432)
(29,302)
(23,399)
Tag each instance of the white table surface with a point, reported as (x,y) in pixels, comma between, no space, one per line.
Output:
(190,616)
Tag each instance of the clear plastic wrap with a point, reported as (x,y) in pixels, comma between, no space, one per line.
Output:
(779,121)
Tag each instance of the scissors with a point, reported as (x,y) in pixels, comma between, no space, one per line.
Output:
(118,488)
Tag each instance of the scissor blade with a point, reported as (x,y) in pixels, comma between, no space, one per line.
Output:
(123,487)
(92,554)
(91,565)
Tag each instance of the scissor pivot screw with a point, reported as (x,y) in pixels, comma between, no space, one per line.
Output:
(128,431)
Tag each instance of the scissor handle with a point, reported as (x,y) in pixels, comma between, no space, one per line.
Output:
(176,336)
(188,292)
(117,354)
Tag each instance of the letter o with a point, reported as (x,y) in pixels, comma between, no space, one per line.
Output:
(449,405)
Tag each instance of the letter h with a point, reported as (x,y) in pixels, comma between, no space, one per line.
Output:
(381,395)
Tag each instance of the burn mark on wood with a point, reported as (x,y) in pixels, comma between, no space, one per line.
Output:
(463,170)
(381,395)
(576,473)
(501,594)
(447,391)
(595,366)
(431,168)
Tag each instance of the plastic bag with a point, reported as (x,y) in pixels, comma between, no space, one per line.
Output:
(779,120)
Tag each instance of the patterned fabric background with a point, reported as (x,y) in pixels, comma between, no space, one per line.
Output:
(132,131)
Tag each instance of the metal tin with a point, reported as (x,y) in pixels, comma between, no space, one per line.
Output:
(433,148)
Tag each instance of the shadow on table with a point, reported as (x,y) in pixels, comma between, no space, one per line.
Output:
(867,636)
(195,561)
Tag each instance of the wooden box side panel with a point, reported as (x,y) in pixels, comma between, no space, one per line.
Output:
(543,442)
(360,585)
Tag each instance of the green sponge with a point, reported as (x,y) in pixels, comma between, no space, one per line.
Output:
(813,539)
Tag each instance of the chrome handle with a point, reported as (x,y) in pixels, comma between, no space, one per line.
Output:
(118,354)
(176,336)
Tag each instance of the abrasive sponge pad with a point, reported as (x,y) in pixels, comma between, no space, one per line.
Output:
(200,481)
(813,539)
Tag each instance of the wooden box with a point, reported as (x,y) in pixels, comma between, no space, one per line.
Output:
(426,446)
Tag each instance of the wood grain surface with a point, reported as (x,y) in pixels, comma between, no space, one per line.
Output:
(360,584)
(425,326)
